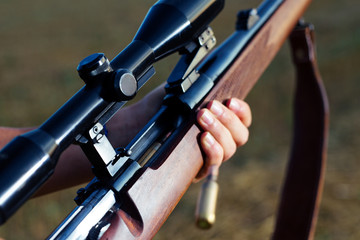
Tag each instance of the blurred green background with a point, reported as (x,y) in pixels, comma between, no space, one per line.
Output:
(41,43)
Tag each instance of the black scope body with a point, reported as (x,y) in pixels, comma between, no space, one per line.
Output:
(169,26)
(28,160)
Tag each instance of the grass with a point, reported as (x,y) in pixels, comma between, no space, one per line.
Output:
(43,41)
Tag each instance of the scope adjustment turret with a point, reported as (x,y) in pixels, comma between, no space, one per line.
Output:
(92,66)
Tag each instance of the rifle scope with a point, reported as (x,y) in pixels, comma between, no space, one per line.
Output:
(29,160)
(169,26)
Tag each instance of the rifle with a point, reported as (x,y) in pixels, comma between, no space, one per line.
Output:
(121,182)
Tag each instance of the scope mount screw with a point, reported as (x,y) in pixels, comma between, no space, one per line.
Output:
(96,130)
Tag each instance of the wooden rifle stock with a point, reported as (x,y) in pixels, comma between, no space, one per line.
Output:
(157,191)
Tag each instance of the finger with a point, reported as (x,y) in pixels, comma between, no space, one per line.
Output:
(241,109)
(222,135)
(213,151)
(232,121)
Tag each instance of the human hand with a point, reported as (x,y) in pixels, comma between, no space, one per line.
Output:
(225,128)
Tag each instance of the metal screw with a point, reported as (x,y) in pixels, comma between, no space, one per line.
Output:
(96,130)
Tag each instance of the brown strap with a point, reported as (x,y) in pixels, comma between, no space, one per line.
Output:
(302,190)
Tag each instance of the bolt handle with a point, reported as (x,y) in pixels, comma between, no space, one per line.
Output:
(206,205)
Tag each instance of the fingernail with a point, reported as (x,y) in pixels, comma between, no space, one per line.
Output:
(234,105)
(216,108)
(207,118)
(209,140)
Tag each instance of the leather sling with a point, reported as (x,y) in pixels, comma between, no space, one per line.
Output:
(301,194)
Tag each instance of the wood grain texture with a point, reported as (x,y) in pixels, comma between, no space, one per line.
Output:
(157,192)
